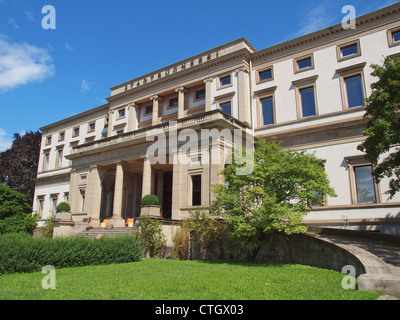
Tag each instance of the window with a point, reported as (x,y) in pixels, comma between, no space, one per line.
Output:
(48,140)
(226,107)
(59,158)
(354,91)
(54,201)
(121,113)
(200,94)
(82,192)
(61,136)
(363,187)
(40,205)
(148,110)
(265,75)
(348,50)
(173,103)
(92,126)
(119,132)
(307,99)
(353,87)
(46,159)
(225,81)
(394,37)
(75,132)
(196,190)
(267,111)
(303,64)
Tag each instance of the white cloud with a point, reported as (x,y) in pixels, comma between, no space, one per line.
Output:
(5,140)
(22,63)
(84,86)
(69,48)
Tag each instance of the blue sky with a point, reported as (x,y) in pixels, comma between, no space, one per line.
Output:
(48,75)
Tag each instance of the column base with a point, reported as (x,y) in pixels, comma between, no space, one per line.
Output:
(117,222)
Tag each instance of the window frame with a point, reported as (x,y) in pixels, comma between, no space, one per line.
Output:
(264,94)
(61,136)
(46,160)
(339,48)
(225,75)
(90,124)
(360,161)
(225,102)
(119,113)
(348,72)
(297,60)
(145,110)
(59,157)
(390,32)
(48,140)
(74,134)
(304,84)
(196,98)
(192,189)
(171,104)
(259,80)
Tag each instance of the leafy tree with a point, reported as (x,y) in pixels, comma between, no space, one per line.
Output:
(15,211)
(383,128)
(273,198)
(19,164)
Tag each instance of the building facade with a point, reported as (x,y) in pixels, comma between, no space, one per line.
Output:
(307,93)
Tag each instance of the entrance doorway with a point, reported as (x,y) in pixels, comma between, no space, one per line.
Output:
(167,195)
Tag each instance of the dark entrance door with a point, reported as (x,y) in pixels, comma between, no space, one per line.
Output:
(167,197)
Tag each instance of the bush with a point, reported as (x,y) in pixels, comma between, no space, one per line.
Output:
(152,237)
(21,252)
(149,200)
(63,207)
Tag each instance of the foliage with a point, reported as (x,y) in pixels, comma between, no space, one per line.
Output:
(205,228)
(383,128)
(15,212)
(181,240)
(19,164)
(151,236)
(48,228)
(21,252)
(274,197)
(149,200)
(63,207)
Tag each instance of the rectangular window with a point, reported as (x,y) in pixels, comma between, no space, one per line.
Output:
(224,81)
(121,113)
(307,99)
(48,140)
(265,75)
(349,50)
(148,110)
(365,186)
(267,111)
(61,136)
(200,94)
(59,158)
(92,126)
(226,107)
(394,37)
(173,103)
(196,190)
(303,63)
(46,159)
(54,201)
(40,206)
(75,132)
(354,91)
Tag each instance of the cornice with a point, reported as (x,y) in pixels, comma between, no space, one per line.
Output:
(327,32)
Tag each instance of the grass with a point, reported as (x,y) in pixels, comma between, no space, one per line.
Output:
(157,279)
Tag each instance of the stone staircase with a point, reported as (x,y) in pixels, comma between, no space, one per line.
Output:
(113,232)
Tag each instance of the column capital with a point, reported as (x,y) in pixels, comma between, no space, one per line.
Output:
(208,80)
(180,89)
(242,69)
(155,98)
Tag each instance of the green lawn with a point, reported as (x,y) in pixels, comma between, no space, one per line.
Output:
(183,280)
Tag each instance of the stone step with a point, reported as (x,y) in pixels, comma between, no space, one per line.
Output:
(114,232)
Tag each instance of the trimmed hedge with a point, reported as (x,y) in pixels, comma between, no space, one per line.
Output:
(20,252)
(149,200)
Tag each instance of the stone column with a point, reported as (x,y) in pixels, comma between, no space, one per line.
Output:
(176,190)
(74,192)
(117,220)
(146,184)
(110,122)
(208,88)
(181,101)
(93,195)
(160,187)
(243,95)
(155,99)
(132,117)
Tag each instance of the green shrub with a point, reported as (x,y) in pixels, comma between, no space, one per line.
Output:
(63,207)
(149,200)
(20,252)
(151,236)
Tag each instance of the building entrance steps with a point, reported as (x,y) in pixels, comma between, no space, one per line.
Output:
(114,232)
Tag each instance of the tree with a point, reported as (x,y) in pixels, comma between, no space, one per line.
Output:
(19,164)
(383,127)
(15,211)
(273,198)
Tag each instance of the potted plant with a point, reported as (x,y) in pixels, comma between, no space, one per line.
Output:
(150,207)
(63,210)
